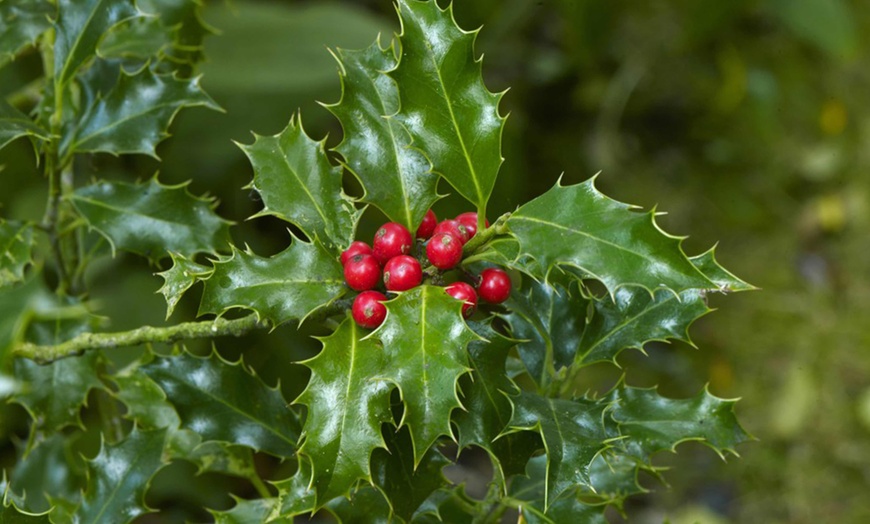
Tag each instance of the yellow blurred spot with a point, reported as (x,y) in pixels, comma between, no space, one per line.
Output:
(732,90)
(721,375)
(831,213)
(833,118)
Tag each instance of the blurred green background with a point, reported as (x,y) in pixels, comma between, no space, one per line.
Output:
(747,121)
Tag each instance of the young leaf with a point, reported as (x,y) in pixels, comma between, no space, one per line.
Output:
(183,274)
(151,219)
(578,226)
(23,21)
(119,476)
(298,184)
(15,124)
(134,116)
(445,106)
(16,245)
(425,340)
(223,401)
(288,286)
(347,405)
(375,148)
(532,490)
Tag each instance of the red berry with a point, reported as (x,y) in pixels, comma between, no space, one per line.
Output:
(391,240)
(469,220)
(427,227)
(368,309)
(357,247)
(454,228)
(465,293)
(444,251)
(495,285)
(362,272)
(401,273)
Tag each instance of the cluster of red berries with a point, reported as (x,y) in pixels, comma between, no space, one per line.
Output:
(392,252)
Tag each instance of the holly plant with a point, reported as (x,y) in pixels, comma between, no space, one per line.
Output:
(438,338)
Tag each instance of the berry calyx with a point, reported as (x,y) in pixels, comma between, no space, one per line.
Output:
(368,309)
(362,272)
(357,247)
(402,273)
(465,293)
(391,240)
(444,250)
(469,220)
(494,286)
(427,226)
(454,228)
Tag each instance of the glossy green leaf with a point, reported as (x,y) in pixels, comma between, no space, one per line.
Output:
(223,401)
(79,27)
(365,506)
(724,280)
(151,219)
(15,124)
(134,116)
(288,286)
(649,422)
(614,476)
(11,514)
(54,393)
(298,184)
(425,340)
(183,274)
(146,403)
(21,22)
(294,498)
(119,476)
(184,18)
(573,435)
(447,505)
(347,404)
(485,397)
(631,318)
(16,246)
(396,177)
(140,38)
(445,106)
(50,467)
(607,240)
(253,511)
(529,494)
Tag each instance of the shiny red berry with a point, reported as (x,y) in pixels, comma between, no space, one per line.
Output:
(357,247)
(427,227)
(362,272)
(391,240)
(368,309)
(465,293)
(469,220)
(402,273)
(444,251)
(494,286)
(454,228)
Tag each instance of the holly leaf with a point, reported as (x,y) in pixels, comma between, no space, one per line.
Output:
(579,227)
(347,405)
(531,491)
(573,435)
(183,274)
(134,115)
(151,219)
(16,244)
(396,177)
(253,511)
(15,124)
(724,280)
(22,23)
(139,38)
(79,27)
(366,505)
(650,423)
(146,402)
(451,116)
(119,476)
(298,184)
(48,468)
(294,498)
(288,286)
(425,340)
(447,505)
(223,401)
(614,476)
(184,18)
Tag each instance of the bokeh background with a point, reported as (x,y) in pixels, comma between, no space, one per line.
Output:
(747,121)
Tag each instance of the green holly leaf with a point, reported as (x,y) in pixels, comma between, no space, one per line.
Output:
(579,227)
(16,244)
(50,467)
(15,124)
(631,318)
(223,401)
(396,177)
(573,435)
(22,23)
(529,493)
(614,476)
(183,274)
(288,286)
(134,115)
(295,496)
(254,511)
(151,219)
(724,280)
(139,38)
(184,17)
(451,116)
(365,506)
(648,422)
(298,184)
(425,340)
(447,505)
(119,476)
(488,407)
(347,404)
(146,403)
(79,27)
